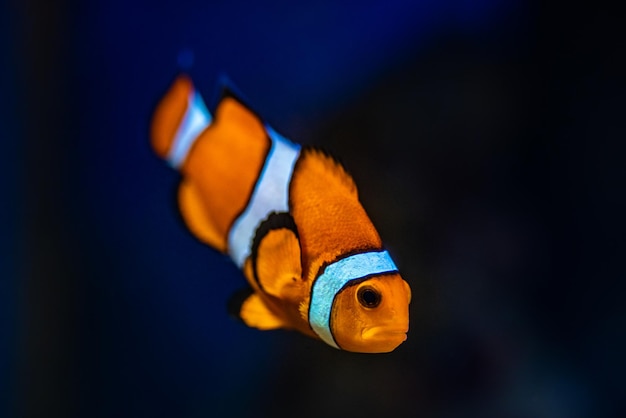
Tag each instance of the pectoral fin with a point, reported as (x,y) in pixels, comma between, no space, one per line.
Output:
(194,213)
(277,262)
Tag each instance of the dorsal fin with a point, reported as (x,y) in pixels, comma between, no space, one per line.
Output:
(228,88)
(323,164)
(232,114)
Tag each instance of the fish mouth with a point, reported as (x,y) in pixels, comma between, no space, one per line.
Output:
(385,332)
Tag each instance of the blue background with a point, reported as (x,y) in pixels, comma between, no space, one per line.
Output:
(487,142)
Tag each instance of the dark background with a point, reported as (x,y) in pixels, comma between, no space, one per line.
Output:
(487,139)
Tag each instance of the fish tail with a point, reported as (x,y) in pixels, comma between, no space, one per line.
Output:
(180,117)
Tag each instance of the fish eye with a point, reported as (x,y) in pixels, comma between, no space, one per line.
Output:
(369,297)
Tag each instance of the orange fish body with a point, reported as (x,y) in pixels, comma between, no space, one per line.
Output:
(289,217)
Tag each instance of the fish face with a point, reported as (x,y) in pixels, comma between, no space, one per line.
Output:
(373,315)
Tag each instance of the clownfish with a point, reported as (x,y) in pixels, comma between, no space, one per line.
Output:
(289,217)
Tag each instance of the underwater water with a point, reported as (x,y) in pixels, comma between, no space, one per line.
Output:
(487,144)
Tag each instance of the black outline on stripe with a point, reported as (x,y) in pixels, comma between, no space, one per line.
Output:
(350,253)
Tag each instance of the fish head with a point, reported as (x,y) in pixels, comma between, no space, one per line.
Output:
(372,316)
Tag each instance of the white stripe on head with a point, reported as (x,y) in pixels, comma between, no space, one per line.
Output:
(334,278)
(271,194)
(196,118)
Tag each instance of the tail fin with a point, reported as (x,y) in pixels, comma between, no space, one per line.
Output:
(178,120)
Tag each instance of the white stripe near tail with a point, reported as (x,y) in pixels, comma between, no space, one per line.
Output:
(196,119)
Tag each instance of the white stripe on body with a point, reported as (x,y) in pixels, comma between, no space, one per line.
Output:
(271,194)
